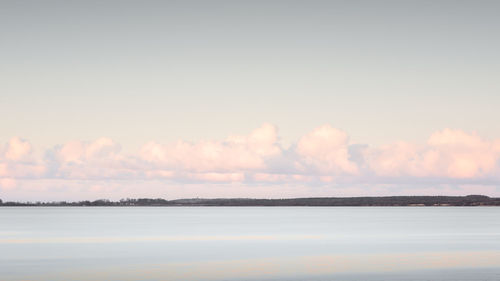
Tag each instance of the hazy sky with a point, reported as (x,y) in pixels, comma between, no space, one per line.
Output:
(132,73)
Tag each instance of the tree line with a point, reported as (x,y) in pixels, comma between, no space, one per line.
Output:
(470,200)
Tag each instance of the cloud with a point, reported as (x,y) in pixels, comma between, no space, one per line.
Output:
(394,160)
(326,149)
(322,158)
(451,154)
(235,153)
(7,183)
(79,152)
(457,154)
(17,161)
(17,149)
(100,158)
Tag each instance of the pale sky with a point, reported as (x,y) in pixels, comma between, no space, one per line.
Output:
(325,98)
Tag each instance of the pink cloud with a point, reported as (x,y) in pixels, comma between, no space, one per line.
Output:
(267,177)
(218,177)
(100,158)
(78,152)
(282,178)
(17,161)
(394,160)
(321,159)
(236,153)
(17,149)
(448,154)
(460,155)
(326,149)
(7,183)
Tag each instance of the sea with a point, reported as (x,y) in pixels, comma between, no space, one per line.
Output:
(250,243)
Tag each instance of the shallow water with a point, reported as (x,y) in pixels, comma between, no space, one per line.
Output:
(250,243)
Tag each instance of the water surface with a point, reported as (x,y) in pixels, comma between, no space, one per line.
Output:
(250,243)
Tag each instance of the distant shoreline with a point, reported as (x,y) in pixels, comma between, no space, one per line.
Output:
(385,201)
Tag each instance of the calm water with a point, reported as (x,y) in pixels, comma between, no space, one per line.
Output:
(250,243)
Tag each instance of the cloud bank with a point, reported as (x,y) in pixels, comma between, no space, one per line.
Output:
(451,161)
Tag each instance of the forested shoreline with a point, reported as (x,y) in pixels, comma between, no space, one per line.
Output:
(470,200)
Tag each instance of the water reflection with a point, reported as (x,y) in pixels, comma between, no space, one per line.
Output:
(312,266)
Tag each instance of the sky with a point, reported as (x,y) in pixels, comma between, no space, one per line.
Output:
(270,99)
